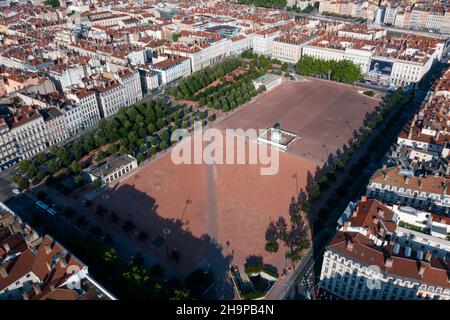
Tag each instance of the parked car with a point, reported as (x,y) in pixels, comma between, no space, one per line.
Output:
(16,191)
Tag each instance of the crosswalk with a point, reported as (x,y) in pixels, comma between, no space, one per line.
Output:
(6,187)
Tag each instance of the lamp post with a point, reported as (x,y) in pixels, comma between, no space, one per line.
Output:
(105,199)
(188,202)
(326,150)
(166,231)
(295,176)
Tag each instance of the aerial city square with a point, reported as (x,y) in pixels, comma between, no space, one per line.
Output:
(224,150)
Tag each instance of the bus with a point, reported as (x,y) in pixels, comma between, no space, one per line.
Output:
(51,211)
(41,205)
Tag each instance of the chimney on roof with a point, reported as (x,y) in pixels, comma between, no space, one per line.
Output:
(37,289)
(389,262)
(406,178)
(349,245)
(363,198)
(47,248)
(25,296)
(428,256)
(346,225)
(63,262)
(380,212)
(49,267)
(52,287)
(6,247)
(355,212)
(421,270)
(3,272)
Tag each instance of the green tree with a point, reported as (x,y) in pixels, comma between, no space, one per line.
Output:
(97,183)
(23,166)
(163,145)
(272,246)
(78,179)
(41,175)
(32,170)
(16,178)
(75,166)
(52,3)
(314,192)
(96,231)
(143,236)
(109,255)
(23,184)
(101,155)
(40,159)
(128,226)
(114,217)
(137,275)
(52,167)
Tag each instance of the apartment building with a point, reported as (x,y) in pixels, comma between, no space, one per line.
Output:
(372,257)
(149,80)
(400,61)
(425,138)
(357,9)
(87,105)
(56,130)
(8,147)
(171,68)
(65,76)
(321,50)
(241,43)
(13,80)
(131,84)
(390,15)
(33,267)
(109,97)
(201,52)
(263,40)
(115,91)
(288,47)
(73,117)
(418,16)
(394,185)
(27,130)
(429,223)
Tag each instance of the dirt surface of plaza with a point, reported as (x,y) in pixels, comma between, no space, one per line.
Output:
(218,214)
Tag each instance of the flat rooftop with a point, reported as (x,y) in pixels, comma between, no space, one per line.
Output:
(111,165)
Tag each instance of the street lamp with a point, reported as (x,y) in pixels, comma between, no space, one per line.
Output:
(188,202)
(326,149)
(105,197)
(166,231)
(295,176)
